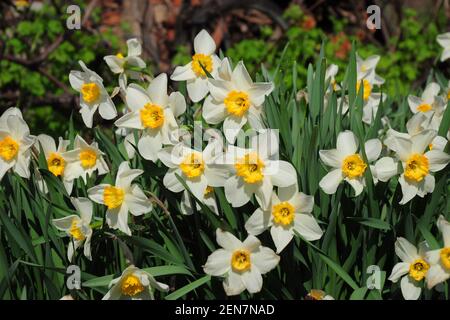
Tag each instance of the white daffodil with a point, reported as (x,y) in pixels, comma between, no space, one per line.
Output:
(134,284)
(315,294)
(440,259)
(444,41)
(365,69)
(194,73)
(77,227)
(241,263)
(15,144)
(209,200)
(256,171)
(347,164)
(290,210)
(84,160)
(121,197)
(429,102)
(196,168)
(93,95)
(154,112)
(57,162)
(330,75)
(413,268)
(236,102)
(418,164)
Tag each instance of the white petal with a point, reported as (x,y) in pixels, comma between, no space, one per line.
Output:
(96,193)
(346,143)
(177,103)
(65,223)
(263,193)
(136,97)
(281,237)
(252,280)
(137,201)
(183,73)
(204,43)
(258,92)
(357,185)
(76,80)
(258,222)
(232,126)
(233,284)
(266,143)
(47,143)
(107,109)
(236,192)
(409,190)
(171,181)
(264,259)
(436,274)
(422,140)
(331,181)
(331,158)
(373,149)
(150,144)
(405,250)
(87,114)
(228,241)
(114,63)
(399,270)
(213,112)
(134,47)
(444,227)
(218,263)
(219,89)
(130,120)
(84,208)
(240,77)
(409,289)
(157,90)
(197,89)
(437,160)
(285,174)
(385,168)
(307,226)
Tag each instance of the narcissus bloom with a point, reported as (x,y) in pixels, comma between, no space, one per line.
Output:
(121,197)
(365,69)
(15,144)
(241,263)
(413,268)
(418,164)
(289,210)
(84,160)
(197,169)
(347,163)
(56,158)
(134,284)
(194,73)
(429,102)
(235,102)
(77,227)
(440,258)
(153,111)
(118,63)
(93,95)
(444,41)
(256,170)
(315,294)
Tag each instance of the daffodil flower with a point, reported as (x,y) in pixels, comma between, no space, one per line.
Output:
(412,270)
(15,144)
(84,160)
(315,294)
(330,75)
(365,69)
(57,162)
(347,163)
(121,197)
(290,210)
(429,102)
(256,171)
(93,95)
(209,200)
(77,227)
(444,41)
(418,164)
(440,258)
(134,284)
(154,112)
(241,263)
(194,72)
(236,102)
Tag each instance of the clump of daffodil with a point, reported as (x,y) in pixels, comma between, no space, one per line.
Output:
(242,264)
(134,284)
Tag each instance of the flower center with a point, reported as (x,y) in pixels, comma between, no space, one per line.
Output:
(237,103)
(113,197)
(90,92)
(240,260)
(56,163)
(418,269)
(250,168)
(9,148)
(367,88)
(353,166)
(208,191)
(416,167)
(424,107)
(75,230)
(445,257)
(131,285)
(315,295)
(152,116)
(448,94)
(283,213)
(88,158)
(120,55)
(192,165)
(199,62)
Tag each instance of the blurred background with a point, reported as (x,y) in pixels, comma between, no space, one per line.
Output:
(37,51)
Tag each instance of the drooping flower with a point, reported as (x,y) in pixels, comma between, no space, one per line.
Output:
(440,259)
(235,102)
(346,163)
(121,197)
(154,112)
(444,41)
(290,210)
(77,227)
(84,160)
(194,73)
(15,144)
(93,95)
(241,263)
(429,102)
(134,284)
(418,164)
(412,270)
(256,170)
